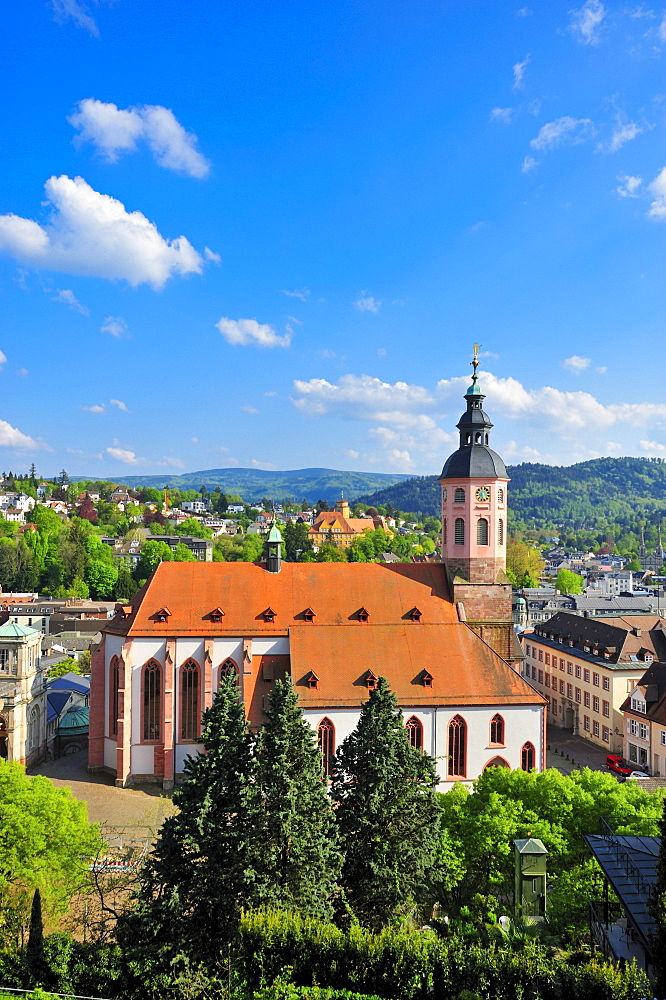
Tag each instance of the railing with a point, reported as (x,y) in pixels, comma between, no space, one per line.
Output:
(643,887)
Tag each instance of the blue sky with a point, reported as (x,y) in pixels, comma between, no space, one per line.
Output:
(267,234)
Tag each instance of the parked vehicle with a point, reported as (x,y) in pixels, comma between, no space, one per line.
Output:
(619,766)
(636,774)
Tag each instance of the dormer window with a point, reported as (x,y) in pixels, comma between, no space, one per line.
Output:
(415,615)
(638,705)
(427,679)
(163,615)
(363,614)
(216,615)
(126,610)
(370,680)
(312,680)
(308,615)
(648,657)
(268,615)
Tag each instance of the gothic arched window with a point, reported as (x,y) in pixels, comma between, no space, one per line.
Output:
(114,694)
(152,701)
(459,495)
(527,757)
(415,733)
(482,531)
(326,741)
(500,532)
(497,729)
(228,667)
(457,746)
(34,727)
(190,708)
(459,531)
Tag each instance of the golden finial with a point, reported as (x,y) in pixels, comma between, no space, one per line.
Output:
(475,360)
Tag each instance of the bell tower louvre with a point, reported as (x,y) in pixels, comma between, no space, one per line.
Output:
(474,522)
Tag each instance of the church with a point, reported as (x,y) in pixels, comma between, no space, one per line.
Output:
(441,633)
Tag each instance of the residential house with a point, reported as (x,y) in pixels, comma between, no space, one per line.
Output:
(645,721)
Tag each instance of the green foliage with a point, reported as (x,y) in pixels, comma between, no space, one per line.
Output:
(296,540)
(50,845)
(300,857)
(412,965)
(182,554)
(568,582)
(387,812)
(193,527)
(152,554)
(67,666)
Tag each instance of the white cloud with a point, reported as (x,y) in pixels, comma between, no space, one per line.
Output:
(270,393)
(298,293)
(115,325)
(661,30)
(523,12)
(381,351)
(119,403)
(69,298)
(124,455)
(622,133)
(194,440)
(476,226)
(562,131)
(12,437)
(95,408)
(586,22)
(23,372)
(248,332)
(367,303)
(77,12)
(350,453)
(213,257)
(115,131)
(261,465)
(576,364)
(359,396)
(170,460)
(658,190)
(519,72)
(92,234)
(249,409)
(503,115)
(628,187)
(528,164)
(601,370)
(3,359)
(653,448)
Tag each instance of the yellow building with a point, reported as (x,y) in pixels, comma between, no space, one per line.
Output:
(338,527)
(586,667)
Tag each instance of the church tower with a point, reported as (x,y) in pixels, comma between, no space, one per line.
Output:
(474,522)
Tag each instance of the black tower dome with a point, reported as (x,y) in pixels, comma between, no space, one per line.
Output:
(474,459)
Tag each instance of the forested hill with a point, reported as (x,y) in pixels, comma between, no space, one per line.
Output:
(589,492)
(253,484)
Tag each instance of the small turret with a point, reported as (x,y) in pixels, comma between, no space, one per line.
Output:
(274,550)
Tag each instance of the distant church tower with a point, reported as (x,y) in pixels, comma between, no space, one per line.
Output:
(474,524)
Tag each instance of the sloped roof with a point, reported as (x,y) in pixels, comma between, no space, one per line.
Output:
(10,630)
(335,591)
(55,702)
(464,669)
(70,682)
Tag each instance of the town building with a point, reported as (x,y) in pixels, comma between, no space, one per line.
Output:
(585,668)
(645,721)
(338,527)
(441,633)
(22,694)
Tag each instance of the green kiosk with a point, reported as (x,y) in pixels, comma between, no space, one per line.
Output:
(530,881)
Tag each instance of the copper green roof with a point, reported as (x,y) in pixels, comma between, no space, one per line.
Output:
(274,534)
(10,630)
(75,718)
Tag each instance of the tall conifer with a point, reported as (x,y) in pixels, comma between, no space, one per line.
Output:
(300,861)
(201,871)
(387,812)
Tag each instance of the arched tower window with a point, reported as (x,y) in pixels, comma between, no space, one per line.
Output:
(500,531)
(482,531)
(326,741)
(497,730)
(527,757)
(459,531)
(114,694)
(415,733)
(457,746)
(478,437)
(459,495)
(34,727)
(190,708)
(152,701)
(445,531)
(500,495)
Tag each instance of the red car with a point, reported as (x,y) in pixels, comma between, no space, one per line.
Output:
(618,765)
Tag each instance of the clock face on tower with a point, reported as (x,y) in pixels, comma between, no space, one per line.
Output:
(482,494)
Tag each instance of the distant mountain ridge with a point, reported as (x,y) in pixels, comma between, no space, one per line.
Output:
(253,484)
(596,490)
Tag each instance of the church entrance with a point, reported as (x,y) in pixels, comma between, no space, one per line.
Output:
(569,718)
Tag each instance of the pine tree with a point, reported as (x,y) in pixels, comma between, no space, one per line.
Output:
(301,858)
(387,812)
(201,871)
(34,952)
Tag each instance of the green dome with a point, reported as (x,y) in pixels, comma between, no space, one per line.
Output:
(474,390)
(10,630)
(274,534)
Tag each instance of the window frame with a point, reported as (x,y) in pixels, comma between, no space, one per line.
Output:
(193,712)
(457,747)
(497,729)
(152,667)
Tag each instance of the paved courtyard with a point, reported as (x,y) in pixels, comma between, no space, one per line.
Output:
(581,752)
(108,805)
